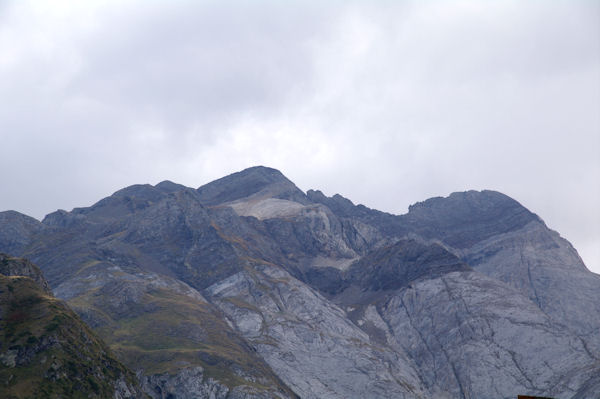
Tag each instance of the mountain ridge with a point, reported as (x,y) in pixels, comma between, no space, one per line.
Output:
(295,277)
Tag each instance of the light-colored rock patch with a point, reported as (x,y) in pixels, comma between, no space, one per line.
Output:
(267,208)
(337,263)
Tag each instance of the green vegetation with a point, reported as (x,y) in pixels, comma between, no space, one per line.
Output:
(46,351)
(169,331)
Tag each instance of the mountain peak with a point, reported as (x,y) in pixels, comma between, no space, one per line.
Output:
(264,171)
(463,218)
(257,181)
(471,204)
(484,198)
(168,186)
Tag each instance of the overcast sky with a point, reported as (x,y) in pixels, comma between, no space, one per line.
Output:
(386,103)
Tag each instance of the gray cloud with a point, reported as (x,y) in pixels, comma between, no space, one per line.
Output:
(386,103)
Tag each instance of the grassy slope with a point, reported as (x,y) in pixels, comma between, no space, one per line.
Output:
(171,331)
(46,351)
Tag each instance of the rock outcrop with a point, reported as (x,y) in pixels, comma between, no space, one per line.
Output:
(10,266)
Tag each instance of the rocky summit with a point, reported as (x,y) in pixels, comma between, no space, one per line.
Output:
(248,287)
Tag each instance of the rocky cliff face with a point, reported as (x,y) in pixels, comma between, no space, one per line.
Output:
(247,287)
(511,244)
(456,323)
(311,343)
(10,266)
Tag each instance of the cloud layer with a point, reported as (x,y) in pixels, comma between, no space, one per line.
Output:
(387,103)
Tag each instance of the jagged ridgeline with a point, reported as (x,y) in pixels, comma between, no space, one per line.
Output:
(247,287)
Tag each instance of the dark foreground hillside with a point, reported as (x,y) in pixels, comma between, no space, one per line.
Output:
(46,351)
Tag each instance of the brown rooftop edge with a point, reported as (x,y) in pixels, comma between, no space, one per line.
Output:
(532,397)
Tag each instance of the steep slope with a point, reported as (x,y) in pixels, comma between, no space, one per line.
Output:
(10,266)
(468,219)
(139,245)
(309,341)
(119,245)
(167,332)
(247,287)
(45,349)
(450,320)
(459,322)
(500,238)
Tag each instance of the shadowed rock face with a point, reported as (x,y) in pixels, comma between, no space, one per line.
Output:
(463,219)
(463,297)
(396,266)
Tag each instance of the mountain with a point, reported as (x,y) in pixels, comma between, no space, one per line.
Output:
(509,243)
(249,287)
(252,184)
(17,230)
(45,349)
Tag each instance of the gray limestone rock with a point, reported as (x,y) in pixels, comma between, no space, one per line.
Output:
(546,268)
(475,337)
(315,349)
